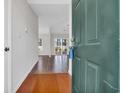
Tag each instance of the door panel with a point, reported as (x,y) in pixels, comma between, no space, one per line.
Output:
(91,77)
(91,17)
(96,46)
(76,79)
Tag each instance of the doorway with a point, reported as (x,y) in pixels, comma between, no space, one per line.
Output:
(40,39)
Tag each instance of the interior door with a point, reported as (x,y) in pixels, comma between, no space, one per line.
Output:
(95,29)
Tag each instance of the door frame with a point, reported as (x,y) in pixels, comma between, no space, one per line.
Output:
(8,34)
(8,43)
(70,35)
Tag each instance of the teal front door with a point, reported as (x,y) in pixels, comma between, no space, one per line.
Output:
(95,24)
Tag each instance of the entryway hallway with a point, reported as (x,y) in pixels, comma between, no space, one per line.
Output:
(48,77)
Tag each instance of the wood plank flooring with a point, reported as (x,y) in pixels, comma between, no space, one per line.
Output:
(46,83)
(40,81)
(53,64)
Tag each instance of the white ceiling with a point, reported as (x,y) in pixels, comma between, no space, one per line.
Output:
(49,1)
(50,22)
(51,12)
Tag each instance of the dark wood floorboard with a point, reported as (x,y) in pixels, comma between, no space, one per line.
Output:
(44,78)
(53,64)
(46,83)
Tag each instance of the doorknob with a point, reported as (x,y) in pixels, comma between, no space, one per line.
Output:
(74,43)
(6,49)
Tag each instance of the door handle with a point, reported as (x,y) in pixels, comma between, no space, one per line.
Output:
(6,49)
(73,43)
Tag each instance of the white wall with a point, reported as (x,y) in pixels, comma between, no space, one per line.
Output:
(44,34)
(24,52)
(61,27)
(43,28)
(45,44)
(48,33)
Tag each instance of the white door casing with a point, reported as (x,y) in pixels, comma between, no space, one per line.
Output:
(7,43)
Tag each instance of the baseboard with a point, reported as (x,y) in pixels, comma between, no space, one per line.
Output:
(25,76)
(70,73)
(70,67)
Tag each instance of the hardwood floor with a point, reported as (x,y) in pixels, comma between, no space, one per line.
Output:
(53,64)
(42,80)
(46,83)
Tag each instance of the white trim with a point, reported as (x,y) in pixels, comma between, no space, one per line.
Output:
(70,67)
(8,25)
(22,80)
(70,34)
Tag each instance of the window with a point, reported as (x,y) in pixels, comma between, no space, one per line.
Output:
(60,46)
